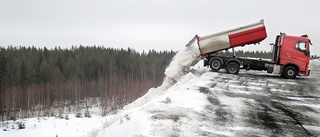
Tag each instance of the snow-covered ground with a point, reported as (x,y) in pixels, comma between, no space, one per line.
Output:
(52,127)
(202,103)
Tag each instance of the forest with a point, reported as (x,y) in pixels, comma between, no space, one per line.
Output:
(34,80)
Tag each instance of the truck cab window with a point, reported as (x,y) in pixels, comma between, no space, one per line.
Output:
(301,46)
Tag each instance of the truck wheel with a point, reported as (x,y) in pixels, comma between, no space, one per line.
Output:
(290,72)
(215,64)
(233,68)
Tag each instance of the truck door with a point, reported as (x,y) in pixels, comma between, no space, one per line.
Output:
(287,50)
(301,54)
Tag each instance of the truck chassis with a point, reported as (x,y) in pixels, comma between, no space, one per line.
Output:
(232,65)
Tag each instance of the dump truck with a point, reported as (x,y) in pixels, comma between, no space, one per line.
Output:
(291,54)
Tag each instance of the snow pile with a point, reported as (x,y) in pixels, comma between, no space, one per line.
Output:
(160,117)
(181,62)
(179,66)
(136,115)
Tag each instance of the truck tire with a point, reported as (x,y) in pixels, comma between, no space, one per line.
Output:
(290,72)
(233,68)
(215,64)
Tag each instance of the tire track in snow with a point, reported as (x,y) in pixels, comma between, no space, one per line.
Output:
(282,113)
(221,111)
(218,115)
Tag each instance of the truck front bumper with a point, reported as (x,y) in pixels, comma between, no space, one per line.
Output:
(305,73)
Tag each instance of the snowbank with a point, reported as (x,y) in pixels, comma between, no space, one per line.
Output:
(157,117)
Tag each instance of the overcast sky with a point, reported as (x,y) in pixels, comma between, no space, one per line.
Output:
(149,24)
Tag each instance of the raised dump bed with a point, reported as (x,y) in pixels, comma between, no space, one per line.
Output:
(249,34)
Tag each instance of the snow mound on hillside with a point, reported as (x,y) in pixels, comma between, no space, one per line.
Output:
(179,66)
(137,117)
(160,117)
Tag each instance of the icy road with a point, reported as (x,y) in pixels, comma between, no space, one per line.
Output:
(205,103)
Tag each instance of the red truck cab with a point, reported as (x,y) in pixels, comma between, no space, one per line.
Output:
(293,52)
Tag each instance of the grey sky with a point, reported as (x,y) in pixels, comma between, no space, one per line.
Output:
(149,24)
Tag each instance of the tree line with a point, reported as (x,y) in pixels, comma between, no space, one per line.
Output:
(33,80)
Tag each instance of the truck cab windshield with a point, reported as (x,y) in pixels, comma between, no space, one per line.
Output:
(301,46)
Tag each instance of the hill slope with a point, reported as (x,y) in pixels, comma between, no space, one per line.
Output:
(204,103)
